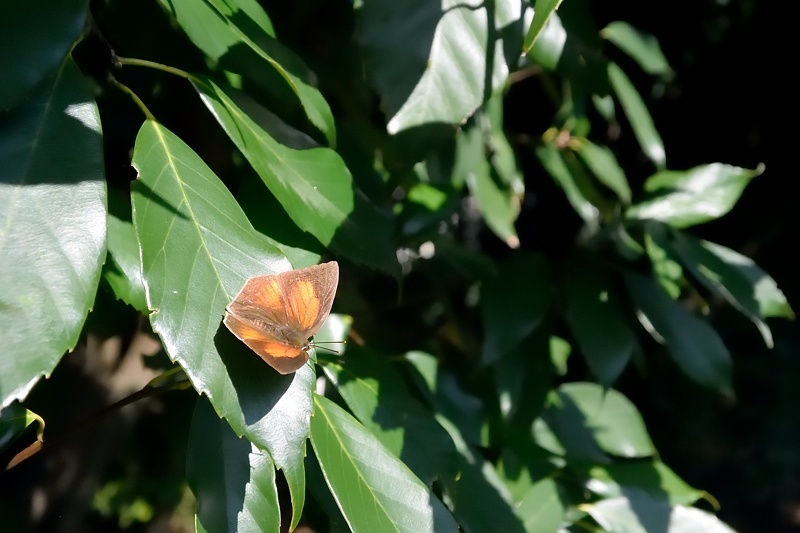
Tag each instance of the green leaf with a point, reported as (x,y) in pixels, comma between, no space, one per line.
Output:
(375,393)
(318,488)
(550,43)
(642,47)
(374,490)
(471,484)
(14,419)
(523,377)
(553,162)
(429,60)
(604,165)
(651,477)
(514,303)
(312,184)
(197,250)
(123,270)
(234,487)
(426,207)
(570,45)
(693,344)
(442,391)
(523,465)
(585,418)
(37,36)
(668,271)
(239,34)
(501,153)
(560,350)
(476,488)
(637,512)
(639,117)
(506,177)
(271,220)
(542,9)
(541,509)
(685,198)
(736,278)
(604,104)
(595,317)
(52,227)
(499,205)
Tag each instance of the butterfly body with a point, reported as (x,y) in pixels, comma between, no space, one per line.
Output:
(277,314)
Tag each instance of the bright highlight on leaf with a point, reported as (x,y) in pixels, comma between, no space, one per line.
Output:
(432,67)
(52,227)
(702,194)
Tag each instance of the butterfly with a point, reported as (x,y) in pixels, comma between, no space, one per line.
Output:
(277,314)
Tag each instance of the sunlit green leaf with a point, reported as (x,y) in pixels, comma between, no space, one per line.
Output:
(639,117)
(498,147)
(553,162)
(542,9)
(654,478)
(668,271)
(428,60)
(604,104)
(321,493)
(13,420)
(375,393)
(52,227)
(498,204)
(523,464)
(374,490)
(570,45)
(312,184)
(426,206)
(197,250)
(476,488)
(637,512)
(642,47)
(473,484)
(541,509)
(550,42)
(560,351)
(604,165)
(240,35)
(271,220)
(581,411)
(686,198)
(736,278)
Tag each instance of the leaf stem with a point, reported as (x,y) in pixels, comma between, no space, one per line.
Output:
(127,90)
(132,61)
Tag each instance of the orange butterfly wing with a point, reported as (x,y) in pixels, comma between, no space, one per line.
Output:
(275,315)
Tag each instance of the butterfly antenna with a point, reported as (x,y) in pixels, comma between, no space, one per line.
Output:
(317,345)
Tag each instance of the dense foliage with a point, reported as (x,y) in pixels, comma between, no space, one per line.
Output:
(530,293)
